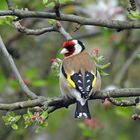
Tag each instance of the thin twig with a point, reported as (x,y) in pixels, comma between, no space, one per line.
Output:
(23,86)
(122,103)
(125,67)
(27,31)
(62,31)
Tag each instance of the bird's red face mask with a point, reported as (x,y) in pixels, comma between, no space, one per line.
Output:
(68,48)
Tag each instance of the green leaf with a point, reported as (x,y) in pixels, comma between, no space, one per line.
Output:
(106,32)
(14,84)
(3,5)
(25,116)
(44,115)
(38,83)
(45,2)
(82,126)
(138,56)
(64,1)
(104,66)
(134,15)
(5,118)
(29,113)
(31,73)
(44,125)
(27,120)
(102,73)
(14,126)
(86,130)
(17,118)
(51,21)
(124,112)
(6,20)
(49,3)
(11,114)
(88,133)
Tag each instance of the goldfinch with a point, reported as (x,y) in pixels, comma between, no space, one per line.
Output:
(78,76)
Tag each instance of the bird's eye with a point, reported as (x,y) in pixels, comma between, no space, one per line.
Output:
(70,48)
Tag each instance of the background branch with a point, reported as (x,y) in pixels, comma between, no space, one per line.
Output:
(114,24)
(120,75)
(23,86)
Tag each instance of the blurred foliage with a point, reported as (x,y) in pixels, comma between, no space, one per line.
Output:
(35,63)
(134,15)
(52,3)
(6,20)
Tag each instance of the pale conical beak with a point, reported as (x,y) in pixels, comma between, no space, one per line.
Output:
(63,51)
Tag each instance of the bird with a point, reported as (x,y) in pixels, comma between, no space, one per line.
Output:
(79,76)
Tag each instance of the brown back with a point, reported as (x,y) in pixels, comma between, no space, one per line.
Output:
(82,61)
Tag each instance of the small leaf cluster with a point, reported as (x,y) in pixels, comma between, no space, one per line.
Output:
(7,20)
(56,63)
(99,59)
(134,15)
(11,119)
(37,118)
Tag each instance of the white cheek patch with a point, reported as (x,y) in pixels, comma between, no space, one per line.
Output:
(78,49)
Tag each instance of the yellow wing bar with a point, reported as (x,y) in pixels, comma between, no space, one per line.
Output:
(94,81)
(70,81)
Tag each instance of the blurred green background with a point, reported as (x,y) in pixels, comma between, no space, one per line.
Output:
(33,54)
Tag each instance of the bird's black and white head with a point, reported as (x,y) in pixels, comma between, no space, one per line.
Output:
(72,47)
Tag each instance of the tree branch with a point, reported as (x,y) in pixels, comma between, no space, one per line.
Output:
(113,24)
(58,102)
(23,86)
(122,103)
(62,31)
(121,73)
(27,31)
(22,105)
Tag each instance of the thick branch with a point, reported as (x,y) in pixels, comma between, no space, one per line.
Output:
(114,24)
(58,102)
(22,105)
(23,86)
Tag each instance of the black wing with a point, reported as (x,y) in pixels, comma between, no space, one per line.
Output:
(88,80)
(83,83)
